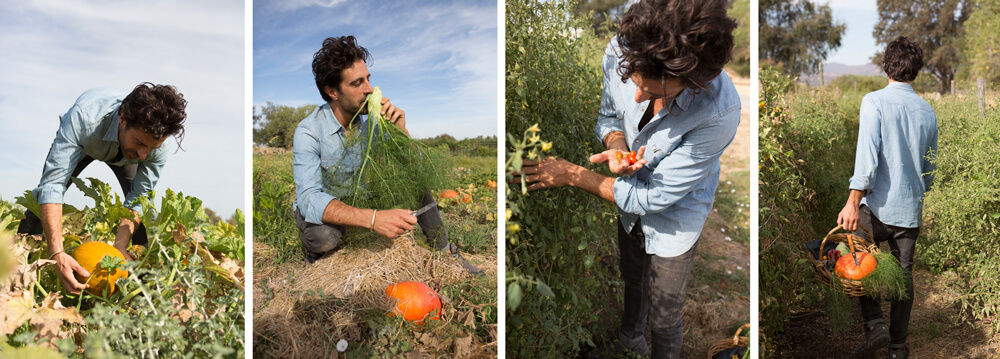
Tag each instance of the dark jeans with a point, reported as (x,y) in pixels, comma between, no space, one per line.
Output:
(320,239)
(31,224)
(902,242)
(655,289)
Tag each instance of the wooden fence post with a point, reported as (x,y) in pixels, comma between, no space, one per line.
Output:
(952,87)
(981,94)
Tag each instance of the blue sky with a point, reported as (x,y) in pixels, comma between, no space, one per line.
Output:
(858,44)
(437,61)
(54,50)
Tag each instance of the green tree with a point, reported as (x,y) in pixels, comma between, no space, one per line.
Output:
(797,35)
(982,41)
(935,25)
(740,10)
(602,14)
(275,126)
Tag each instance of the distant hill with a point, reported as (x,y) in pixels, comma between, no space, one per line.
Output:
(832,70)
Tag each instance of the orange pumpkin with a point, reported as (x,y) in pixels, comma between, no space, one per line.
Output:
(449,194)
(848,270)
(89,255)
(466,198)
(415,301)
(491,183)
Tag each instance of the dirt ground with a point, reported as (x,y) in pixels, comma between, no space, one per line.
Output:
(301,310)
(936,329)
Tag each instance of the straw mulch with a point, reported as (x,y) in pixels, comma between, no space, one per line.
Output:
(316,305)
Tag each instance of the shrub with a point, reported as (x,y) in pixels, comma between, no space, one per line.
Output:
(561,266)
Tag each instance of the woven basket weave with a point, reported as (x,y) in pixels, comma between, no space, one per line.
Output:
(735,341)
(853,288)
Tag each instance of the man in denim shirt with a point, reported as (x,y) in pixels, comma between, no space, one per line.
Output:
(668,99)
(324,163)
(898,130)
(125,130)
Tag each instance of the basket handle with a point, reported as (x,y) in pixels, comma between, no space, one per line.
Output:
(736,337)
(849,243)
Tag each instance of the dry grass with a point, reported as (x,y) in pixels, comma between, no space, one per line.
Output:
(301,311)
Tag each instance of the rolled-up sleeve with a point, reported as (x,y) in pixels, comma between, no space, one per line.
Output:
(869,145)
(680,173)
(607,114)
(307,169)
(63,156)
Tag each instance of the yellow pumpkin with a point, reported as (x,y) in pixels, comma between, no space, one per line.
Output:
(89,255)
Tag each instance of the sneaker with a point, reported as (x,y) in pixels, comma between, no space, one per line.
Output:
(876,338)
(453,250)
(898,351)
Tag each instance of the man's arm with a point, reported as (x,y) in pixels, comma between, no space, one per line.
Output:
(389,223)
(552,172)
(126,229)
(65,264)
(321,207)
(865,163)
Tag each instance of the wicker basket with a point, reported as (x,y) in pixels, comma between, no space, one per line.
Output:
(853,288)
(735,341)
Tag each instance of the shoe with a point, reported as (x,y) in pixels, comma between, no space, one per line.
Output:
(453,251)
(876,338)
(898,351)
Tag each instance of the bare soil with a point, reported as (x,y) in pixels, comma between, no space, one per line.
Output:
(936,329)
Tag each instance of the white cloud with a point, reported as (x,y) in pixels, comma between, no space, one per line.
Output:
(55,50)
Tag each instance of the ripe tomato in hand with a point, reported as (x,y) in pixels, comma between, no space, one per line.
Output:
(631,158)
(619,155)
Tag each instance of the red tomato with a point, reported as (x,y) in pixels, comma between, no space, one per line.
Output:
(631,158)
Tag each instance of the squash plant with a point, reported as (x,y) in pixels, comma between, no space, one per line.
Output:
(183,295)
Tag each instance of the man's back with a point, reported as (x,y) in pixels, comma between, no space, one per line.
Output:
(897,130)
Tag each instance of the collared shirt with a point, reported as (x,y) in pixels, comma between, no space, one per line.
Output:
(674,192)
(897,130)
(324,163)
(90,128)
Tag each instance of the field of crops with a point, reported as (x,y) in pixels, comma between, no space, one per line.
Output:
(183,295)
(807,146)
(305,310)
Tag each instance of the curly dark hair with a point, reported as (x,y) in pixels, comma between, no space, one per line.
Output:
(337,54)
(685,40)
(155,109)
(903,59)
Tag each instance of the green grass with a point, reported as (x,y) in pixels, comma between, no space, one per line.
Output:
(472,226)
(732,199)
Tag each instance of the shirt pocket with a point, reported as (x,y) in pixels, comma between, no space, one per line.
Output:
(339,168)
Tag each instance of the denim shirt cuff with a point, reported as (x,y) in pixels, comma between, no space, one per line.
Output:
(315,207)
(605,126)
(48,193)
(860,184)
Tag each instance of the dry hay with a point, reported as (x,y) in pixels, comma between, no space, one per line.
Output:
(323,302)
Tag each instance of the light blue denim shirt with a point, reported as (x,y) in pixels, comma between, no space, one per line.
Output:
(324,163)
(90,128)
(897,130)
(674,192)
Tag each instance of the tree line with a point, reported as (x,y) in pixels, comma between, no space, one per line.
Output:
(960,38)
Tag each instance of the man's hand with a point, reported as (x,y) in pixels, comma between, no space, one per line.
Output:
(124,249)
(620,166)
(394,115)
(65,266)
(548,173)
(126,229)
(849,217)
(393,222)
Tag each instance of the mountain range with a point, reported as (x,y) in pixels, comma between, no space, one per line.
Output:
(832,69)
